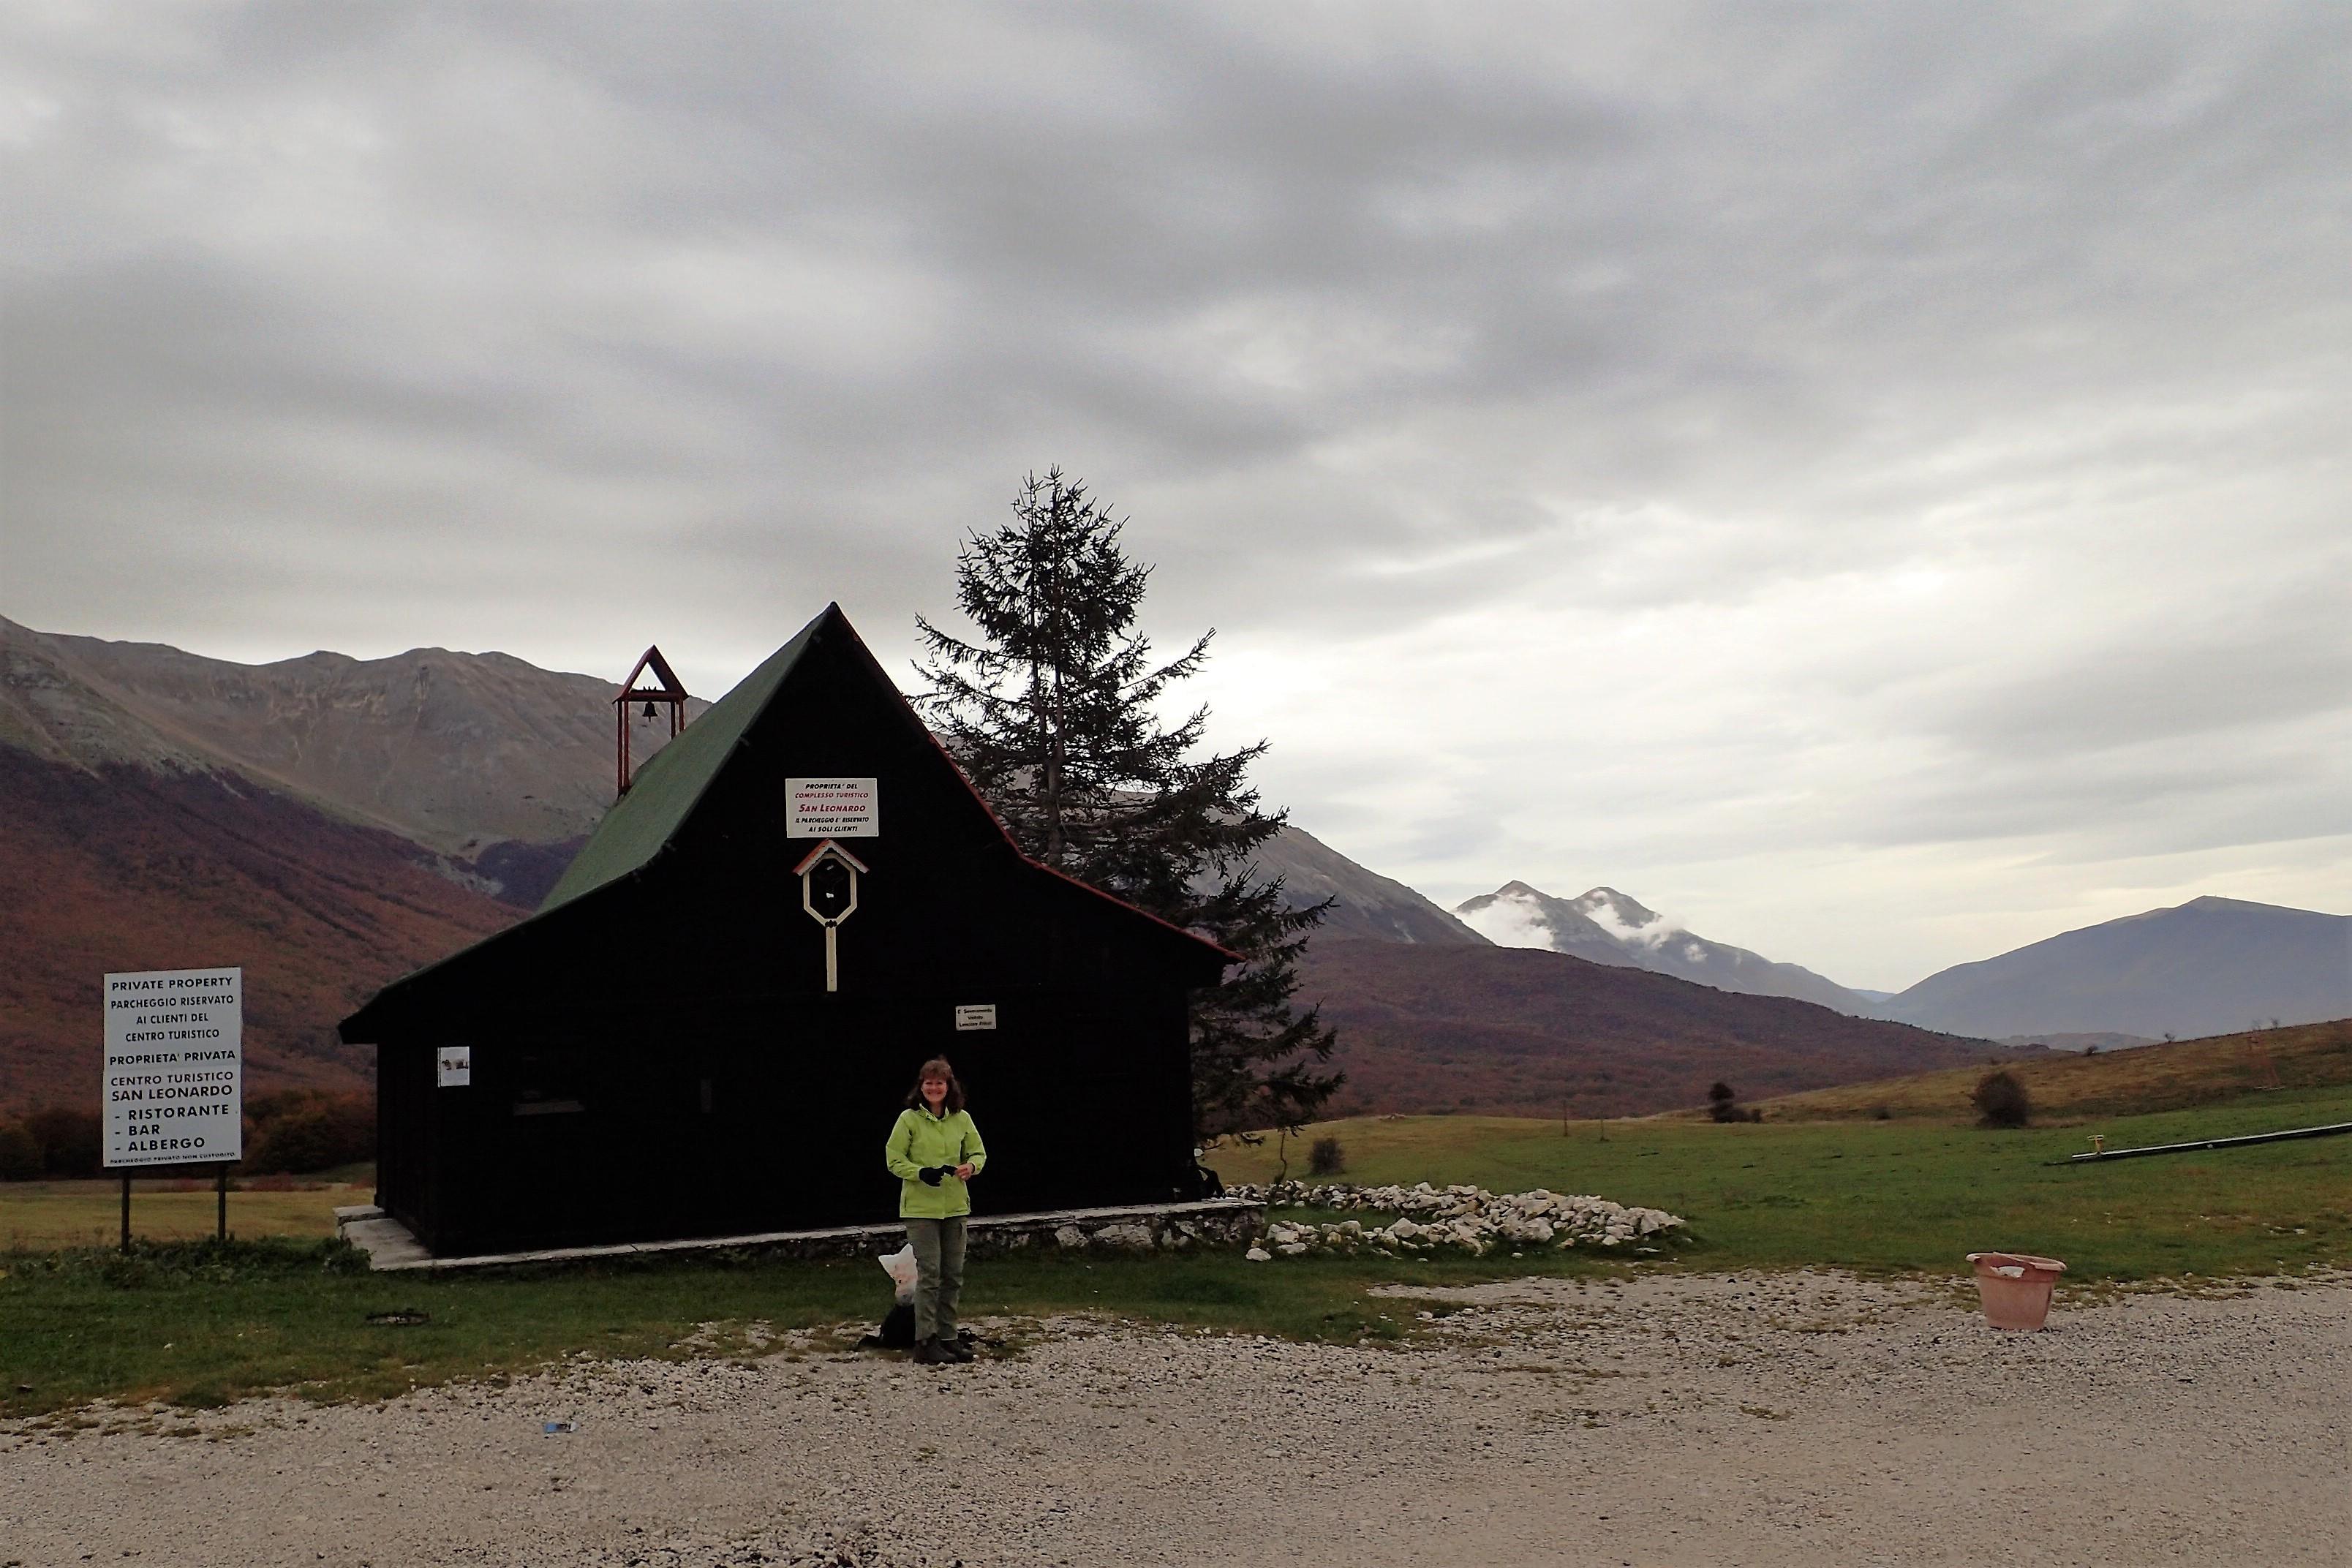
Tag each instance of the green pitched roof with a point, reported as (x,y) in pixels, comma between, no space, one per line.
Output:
(660,799)
(674,778)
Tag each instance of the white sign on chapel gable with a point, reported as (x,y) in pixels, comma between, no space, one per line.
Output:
(832,808)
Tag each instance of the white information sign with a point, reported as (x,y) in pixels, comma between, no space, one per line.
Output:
(455,1067)
(832,808)
(976,1015)
(175,1067)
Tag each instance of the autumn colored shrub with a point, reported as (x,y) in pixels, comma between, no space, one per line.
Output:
(2001,1100)
(299,1131)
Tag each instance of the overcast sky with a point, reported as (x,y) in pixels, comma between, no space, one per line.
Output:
(1870,482)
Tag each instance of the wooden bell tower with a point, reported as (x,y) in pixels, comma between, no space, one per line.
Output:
(666,688)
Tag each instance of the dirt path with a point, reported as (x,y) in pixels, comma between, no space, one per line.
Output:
(1788,1419)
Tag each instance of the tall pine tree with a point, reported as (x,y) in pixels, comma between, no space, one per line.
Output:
(1050,706)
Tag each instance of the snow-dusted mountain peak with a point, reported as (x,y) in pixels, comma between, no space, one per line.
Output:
(1605,926)
(1519,914)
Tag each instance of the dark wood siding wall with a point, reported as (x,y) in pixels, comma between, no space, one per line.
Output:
(401,1107)
(704,1127)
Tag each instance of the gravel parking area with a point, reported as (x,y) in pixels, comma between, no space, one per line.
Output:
(1671,1419)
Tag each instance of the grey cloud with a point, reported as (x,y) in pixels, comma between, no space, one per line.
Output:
(2165,691)
(1530,324)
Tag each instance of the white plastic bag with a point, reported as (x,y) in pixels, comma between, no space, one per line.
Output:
(900,1266)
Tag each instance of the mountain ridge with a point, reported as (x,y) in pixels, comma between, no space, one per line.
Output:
(478,757)
(443,765)
(1369,904)
(2210,966)
(1603,925)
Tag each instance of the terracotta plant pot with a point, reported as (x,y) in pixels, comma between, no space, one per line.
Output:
(2015,1287)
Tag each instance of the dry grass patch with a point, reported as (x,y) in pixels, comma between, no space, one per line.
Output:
(2074,1088)
(40,1216)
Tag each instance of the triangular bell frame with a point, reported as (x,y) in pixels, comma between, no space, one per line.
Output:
(668,689)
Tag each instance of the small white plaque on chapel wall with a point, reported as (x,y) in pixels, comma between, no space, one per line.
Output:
(832,808)
(976,1015)
(455,1067)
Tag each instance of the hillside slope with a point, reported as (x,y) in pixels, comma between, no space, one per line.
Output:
(125,868)
(1523,1031)
(1365,903)
(2207,967)
(483,757)
(2070,1085)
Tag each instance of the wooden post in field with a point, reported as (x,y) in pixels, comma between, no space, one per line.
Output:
(126,1211)
(220,1190)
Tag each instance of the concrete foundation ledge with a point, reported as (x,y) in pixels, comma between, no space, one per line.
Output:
(1141,1228)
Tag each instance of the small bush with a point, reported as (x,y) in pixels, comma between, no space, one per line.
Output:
(298,1131)
(1882,1113)
(20,1153)
(69,1141)
(1326,1158)
(1723,1104)
(2001,1100)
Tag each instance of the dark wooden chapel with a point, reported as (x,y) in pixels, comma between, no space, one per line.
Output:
(708,1027)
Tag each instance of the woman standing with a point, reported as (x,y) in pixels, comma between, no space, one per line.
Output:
(933,1151)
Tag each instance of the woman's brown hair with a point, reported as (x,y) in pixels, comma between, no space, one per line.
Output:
(936,1068)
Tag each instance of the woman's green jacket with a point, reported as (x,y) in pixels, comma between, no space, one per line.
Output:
(919,1139)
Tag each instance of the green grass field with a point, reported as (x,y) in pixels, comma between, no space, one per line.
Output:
(1896,1196)
(196,1325)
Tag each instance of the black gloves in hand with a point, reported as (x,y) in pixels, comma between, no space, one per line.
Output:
(930,1175)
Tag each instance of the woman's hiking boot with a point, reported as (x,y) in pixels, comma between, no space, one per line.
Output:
(951,1349)
(928,1353)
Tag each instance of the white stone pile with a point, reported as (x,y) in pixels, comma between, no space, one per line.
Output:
(1448,1219)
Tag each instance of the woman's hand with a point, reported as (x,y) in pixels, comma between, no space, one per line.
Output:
(963,1171)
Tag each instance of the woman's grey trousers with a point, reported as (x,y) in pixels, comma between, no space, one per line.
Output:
(939,1274)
